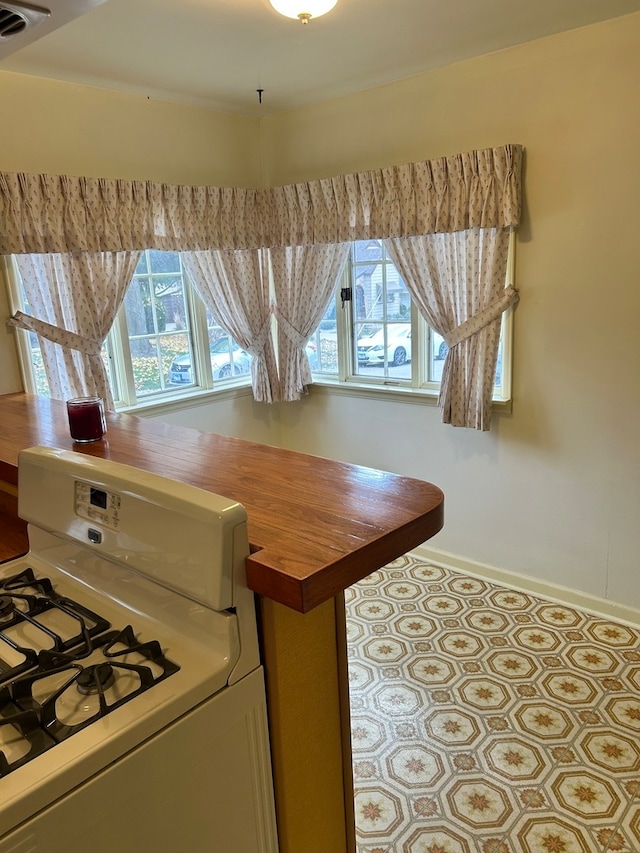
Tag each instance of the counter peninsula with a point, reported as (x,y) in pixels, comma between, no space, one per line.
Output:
(316,526)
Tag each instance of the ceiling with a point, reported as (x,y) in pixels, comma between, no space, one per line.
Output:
(218,53)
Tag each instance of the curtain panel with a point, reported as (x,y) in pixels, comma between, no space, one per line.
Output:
(304,278)
(74,299)
(457,282)
(51,214)
(235,288)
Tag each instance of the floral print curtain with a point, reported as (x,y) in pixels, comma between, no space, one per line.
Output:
(234,285)
(445,222)
(74,299)
(458,283)
(304,278)
(51,213)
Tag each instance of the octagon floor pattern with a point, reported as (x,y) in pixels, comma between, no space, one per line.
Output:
(486,720)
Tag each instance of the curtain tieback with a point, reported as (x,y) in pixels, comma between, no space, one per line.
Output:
(256,348)
(474,324)
(69,340)
(290,331)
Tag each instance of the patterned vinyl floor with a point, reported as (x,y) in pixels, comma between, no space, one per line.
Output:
(485,720)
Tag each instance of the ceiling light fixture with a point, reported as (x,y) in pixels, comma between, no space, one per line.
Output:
(304,10)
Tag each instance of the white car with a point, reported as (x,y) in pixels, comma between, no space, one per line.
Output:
(226,361)
(440,348)
(372,350)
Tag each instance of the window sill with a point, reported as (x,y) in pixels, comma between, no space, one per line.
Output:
(390,393)
(185,400)
(202,397)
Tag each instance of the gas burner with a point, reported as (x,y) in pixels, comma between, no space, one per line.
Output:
(68,696)
(21,736)
(37,628)
(95,679)
(62,666)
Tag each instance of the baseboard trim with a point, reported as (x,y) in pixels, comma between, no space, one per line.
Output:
(523,583)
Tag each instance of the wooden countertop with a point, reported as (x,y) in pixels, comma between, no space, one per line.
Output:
(316,526)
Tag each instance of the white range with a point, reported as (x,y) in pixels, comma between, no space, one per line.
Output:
(132,702)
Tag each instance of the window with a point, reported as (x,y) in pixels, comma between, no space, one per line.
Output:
(166,339)
(154,327)
(371,333)
(31,346)
(163,341)
(380,314)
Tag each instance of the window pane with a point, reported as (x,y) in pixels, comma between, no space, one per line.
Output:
(322,348)
(385,350)
(228,359)
(382,314)
(39,377)
(498,377)
(158,326)
(137,304)
(164,262)
(41,386)
(169,302)
(437,353)
(180,353)
(142,264)
(153,363)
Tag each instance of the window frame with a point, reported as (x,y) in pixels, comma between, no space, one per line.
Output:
(420,386)
(419,389)
(16,303)
(117,344)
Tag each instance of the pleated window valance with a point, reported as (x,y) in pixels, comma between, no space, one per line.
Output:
(50,213)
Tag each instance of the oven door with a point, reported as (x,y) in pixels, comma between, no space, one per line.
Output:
(202,784)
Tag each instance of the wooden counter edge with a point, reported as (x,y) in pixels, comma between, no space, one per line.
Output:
(303,594)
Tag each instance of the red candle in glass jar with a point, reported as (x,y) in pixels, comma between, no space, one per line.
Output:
(86,418)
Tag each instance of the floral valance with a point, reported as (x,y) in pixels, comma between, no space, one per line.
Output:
(51,213)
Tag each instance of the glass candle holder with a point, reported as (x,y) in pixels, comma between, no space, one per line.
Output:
(86,419)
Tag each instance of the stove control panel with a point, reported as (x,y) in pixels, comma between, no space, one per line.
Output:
(97,505)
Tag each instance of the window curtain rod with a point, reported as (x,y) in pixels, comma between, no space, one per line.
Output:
(60,213)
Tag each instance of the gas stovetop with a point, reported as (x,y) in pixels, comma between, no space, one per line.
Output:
(62,667)
(128,611)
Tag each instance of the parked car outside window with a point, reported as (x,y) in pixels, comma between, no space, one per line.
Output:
(372,350)
(227,359)
(225,362)
(440,348)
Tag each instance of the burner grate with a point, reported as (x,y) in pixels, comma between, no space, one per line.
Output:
(34,626)
(62,668)
(26,579)
(95,681)
(21,735)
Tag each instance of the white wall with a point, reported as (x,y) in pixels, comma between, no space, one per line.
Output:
(238,416)
(68,129)
(553,491)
